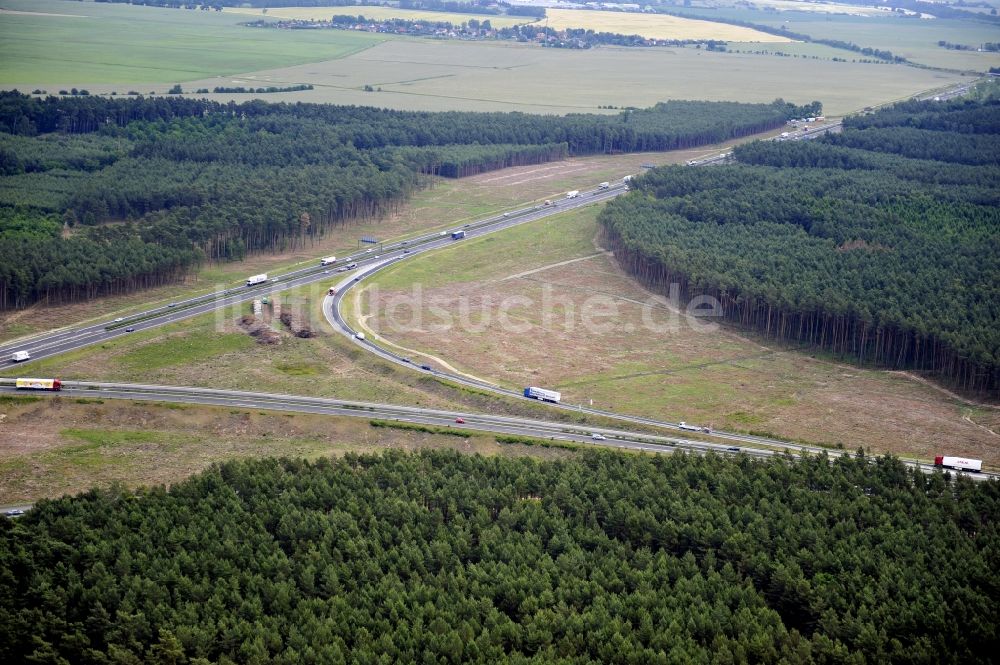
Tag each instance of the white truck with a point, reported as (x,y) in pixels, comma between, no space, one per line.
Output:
(959,463)
(572,195)
(690,428)
(20,356)
(327,260)
(604,185)
(542,394)
(257,279)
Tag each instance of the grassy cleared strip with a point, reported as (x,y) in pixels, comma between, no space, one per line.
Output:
(427,429)
(532,441)
(17,399)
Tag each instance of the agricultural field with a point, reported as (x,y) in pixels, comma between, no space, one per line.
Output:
(65,445)
(370,12)
(914,39)
(544,305)
(454,75)
(105,48)
(53,43)
(817,7)
(653,26)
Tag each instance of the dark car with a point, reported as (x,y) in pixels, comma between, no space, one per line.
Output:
(733,449)
(130,329)
(426,367)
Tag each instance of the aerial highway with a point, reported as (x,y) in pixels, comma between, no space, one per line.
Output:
(527,427)
(461,420)
(76,337)
(355,268)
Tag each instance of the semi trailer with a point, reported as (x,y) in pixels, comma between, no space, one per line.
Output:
(38,384)
(542,394)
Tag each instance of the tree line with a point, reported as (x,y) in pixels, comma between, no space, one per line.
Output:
(862,251)
(444,558)
(186,180)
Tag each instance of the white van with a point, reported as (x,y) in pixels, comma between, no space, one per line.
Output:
(20,356)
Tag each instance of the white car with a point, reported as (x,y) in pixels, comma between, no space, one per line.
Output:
(597,436)
(119,319)
(360,336)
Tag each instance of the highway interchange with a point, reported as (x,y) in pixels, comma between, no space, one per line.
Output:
(368,263)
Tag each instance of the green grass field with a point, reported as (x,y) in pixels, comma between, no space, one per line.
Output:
(83,43)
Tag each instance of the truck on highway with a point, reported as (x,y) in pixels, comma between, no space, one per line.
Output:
(256,279)
(20,356)
(572,195)
(327,260)
(959,463)
(542,394)
(604,185)
(690,428)
(457,235)
(332,291)
(38,384)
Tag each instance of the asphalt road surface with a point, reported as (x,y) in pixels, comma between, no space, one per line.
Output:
(534,428)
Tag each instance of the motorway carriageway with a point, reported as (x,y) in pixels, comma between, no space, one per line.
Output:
(332,312)
(536,429)
(70,339)
(368,263)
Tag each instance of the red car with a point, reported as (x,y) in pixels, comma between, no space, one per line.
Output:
(460,421)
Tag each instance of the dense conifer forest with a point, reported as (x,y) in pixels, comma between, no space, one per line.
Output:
(444,558)
(106,195)
(880,244)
